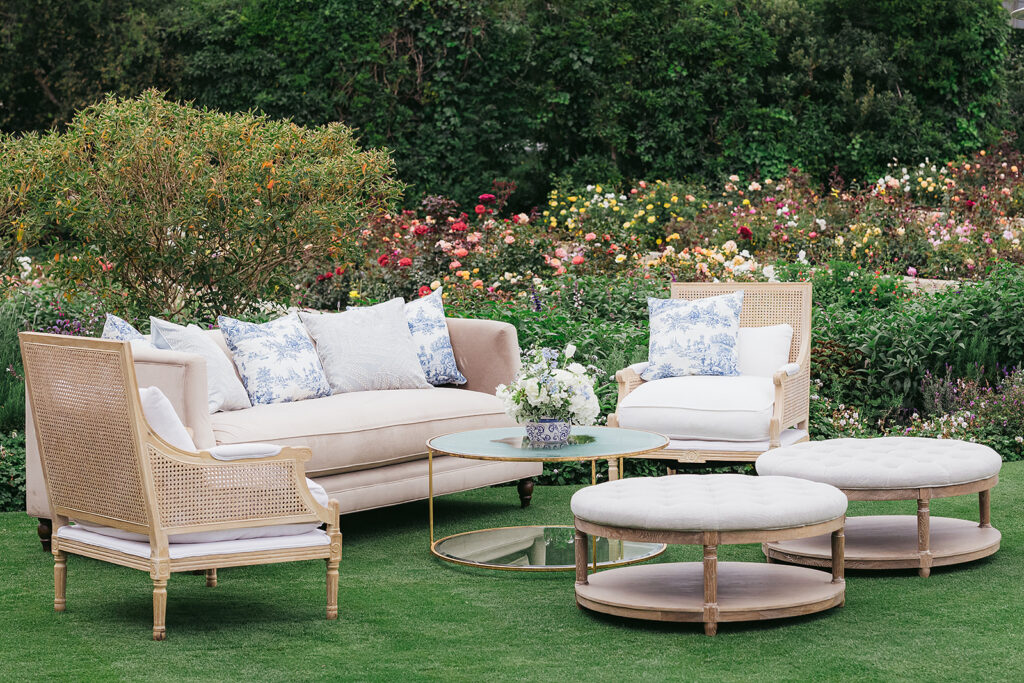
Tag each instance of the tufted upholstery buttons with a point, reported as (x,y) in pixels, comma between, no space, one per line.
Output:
(709,502)
(884,463)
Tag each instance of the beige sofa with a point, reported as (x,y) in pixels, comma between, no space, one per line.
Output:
(368,447)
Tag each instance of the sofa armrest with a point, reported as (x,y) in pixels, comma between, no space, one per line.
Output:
(486,352)
(182,379)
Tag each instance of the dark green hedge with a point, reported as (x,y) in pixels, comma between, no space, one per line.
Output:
(465,91)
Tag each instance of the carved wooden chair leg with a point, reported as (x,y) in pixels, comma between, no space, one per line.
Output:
(924,537)
(580,545)
(211,578)
(159,609)
(60,581)
(710,590)
(332,589)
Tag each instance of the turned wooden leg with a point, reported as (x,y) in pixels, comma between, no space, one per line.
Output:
(159,609)
(525,492)
(60,581)
(985,508)
(839,559)
(710,590)
(45,530)
(580,545)
(211,578)
(924,538)
(332,589)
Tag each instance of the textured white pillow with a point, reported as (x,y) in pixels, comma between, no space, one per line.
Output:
(165,422)
(694,337)
(764,350)
(276,360)
(224,390)
(367,349)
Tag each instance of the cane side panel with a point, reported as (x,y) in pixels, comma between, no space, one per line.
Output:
(86,435)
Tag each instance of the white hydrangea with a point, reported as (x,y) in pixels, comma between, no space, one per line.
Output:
(543,388)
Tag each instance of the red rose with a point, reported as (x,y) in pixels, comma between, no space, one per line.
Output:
(404,262)
(459,226)
(480,209)
(421,229)
(339,271)
(744,232)
(382,259)
(425,291)
(486,199)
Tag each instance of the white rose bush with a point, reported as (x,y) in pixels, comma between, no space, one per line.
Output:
(550,385)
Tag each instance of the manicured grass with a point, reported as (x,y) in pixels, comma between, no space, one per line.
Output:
(407,616)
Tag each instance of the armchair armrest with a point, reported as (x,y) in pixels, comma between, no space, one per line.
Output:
(199,492)
(792,395)
(486,352)
(629,378)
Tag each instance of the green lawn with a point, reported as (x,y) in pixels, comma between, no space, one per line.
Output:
(405,615)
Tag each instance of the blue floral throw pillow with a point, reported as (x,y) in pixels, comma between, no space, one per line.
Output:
(430,335)
(276,360)
(119,329)
(694,337)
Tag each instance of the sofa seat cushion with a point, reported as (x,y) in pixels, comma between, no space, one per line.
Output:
(364,429)
(701,407)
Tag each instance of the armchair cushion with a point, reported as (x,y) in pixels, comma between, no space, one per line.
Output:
(764,350)
(179,550)
(702,408)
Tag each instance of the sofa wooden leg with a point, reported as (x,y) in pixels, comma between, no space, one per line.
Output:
(525,492)
(45,530)
(211,578)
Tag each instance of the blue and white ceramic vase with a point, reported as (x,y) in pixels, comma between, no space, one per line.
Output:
(548,432)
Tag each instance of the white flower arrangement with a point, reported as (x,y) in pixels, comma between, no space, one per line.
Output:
(543,388)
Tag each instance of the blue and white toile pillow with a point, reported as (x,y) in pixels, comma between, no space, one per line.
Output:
(430,335)
(276,360)
(694,337)
(119,329)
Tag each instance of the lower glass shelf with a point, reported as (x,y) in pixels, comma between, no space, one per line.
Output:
(537,548)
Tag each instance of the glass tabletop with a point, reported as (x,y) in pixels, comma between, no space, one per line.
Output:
(537,548)
(510,443)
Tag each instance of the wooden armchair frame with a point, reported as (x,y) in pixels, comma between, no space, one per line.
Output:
(104,464)
(764,303)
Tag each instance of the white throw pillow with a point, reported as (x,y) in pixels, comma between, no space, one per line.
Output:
(276,360)
(165,422)
(430,337)
(694,337)
(224,390)
(764,350)
(367,349)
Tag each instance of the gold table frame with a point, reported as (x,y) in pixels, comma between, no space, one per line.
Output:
(615,467)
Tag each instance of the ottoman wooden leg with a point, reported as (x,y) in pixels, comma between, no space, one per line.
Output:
(839,559)
(580,543)
(924,537)
(211,578)
(710,589)
(985,508)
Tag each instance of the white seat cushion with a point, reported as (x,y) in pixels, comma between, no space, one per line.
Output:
(709,502)
(701,408)
(891,462)
(176,551)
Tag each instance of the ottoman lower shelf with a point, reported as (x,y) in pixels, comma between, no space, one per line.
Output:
(747,591)
(891,542)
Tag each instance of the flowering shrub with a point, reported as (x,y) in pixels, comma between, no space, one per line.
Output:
(550,385)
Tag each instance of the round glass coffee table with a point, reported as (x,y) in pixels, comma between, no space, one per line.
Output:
(547,547)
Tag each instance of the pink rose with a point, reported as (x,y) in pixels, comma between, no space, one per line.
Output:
(590,237)
(577,260)
(912,271)
(561,253)
(509,239)
(460,252)
(453,265)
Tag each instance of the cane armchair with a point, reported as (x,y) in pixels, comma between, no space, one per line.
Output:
(764,304)
(104,465)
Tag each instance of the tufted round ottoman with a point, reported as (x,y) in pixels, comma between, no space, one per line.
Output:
(709,510)
(894,468)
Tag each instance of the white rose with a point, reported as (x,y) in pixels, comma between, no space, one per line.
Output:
(570,350)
